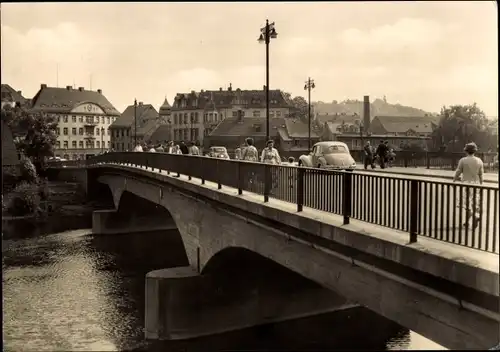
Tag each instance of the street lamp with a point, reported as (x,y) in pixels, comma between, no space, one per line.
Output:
(266,33)
(135,123)
(309,85)
(102,137)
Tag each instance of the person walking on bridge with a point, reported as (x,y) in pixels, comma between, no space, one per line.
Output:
(368,156)
(471,169)
(193,149)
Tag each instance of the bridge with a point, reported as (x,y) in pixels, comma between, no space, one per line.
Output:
(391,244)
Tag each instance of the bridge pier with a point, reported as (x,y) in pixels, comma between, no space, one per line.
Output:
(109,222)
(182,304)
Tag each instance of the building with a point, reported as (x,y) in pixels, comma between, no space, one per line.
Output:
(294,137)
(195,115)
(123,129)
(9,97)
(164,131)
(83,116)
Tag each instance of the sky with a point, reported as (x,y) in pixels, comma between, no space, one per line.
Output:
(420,54)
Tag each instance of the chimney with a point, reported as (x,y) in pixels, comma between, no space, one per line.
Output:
(240,115)
(220,89)
(99,91)
(19,92)
(140,103)
(366,113)
(230,87)
(202,91)
(80,89)
(43,85)
(68,87)
(264,87)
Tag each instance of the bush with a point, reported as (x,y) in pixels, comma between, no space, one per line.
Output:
(24,200)
(28,171)
(10,176)
(43,188)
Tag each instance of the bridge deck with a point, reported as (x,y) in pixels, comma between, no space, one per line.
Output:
(477,258)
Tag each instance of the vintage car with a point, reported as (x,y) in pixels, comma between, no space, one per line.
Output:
(218,152)
(329,155)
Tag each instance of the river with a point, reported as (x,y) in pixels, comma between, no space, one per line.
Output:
(71,291)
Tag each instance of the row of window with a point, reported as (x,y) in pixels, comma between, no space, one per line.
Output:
(121,147)
(186,134)
(123,132)
(88,144)
(88,119)
(194,103)
(65,131)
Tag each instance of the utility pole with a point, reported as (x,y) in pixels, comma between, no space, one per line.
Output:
(135,123)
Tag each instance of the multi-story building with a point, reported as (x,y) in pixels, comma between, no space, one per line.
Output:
(83,116)
(123,134)
(196,114)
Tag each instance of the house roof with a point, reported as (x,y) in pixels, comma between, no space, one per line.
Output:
(63,100)
(248,126)
(144,112)
(298,129)
(347,118)
(211,99)
(9,94)
(161,133)
(165,107)
(401,124)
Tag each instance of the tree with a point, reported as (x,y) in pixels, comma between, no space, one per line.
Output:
(461,124)
(299,106)
(34,133)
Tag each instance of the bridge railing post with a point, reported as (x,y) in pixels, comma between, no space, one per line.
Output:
(427,160)
(347,196)
(414,210)
(267,182)
(240,178)
(300,188)
(219,169)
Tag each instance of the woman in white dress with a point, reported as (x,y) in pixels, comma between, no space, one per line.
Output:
(470,169)
(270,155)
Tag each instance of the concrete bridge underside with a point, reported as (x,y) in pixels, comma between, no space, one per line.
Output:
(209,227)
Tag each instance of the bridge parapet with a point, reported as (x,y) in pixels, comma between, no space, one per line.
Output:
(458,213)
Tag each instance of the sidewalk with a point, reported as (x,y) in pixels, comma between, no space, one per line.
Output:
(489,177)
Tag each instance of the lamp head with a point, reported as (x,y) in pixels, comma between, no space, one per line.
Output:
(305,87)
(261,39)
(313,85)
(272,33)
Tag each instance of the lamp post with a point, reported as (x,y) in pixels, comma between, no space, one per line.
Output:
(135,123)
(309,85)
(102,137)
(266,34)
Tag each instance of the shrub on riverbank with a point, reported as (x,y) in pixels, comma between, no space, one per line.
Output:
(24,199)
(28,171)
(10,176)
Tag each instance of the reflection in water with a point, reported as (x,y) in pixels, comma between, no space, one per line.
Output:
(71,291)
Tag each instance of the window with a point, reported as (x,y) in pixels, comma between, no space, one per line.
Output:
(271,113)
(98,144)
(65,118)
(127,132)
(73,144)
(80,119)
(58,144)
(102,120)
(196,117)
(73,131)
(80,131)
(109,132)
(107,118)
(109,144)
(80,144)
(185,118)
(58,119)
(65,131)
(58,131)
(65,144)
(175,119)
(73,118)
(97,131)
(113,145)
(256,113)
(123,133)
(278,113)
(96,119)
(88,119)
(235,113)
(191,117)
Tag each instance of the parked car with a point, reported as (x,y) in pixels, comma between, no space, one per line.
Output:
(218,152)
(329,155)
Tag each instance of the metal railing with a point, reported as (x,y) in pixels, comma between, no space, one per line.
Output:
(435,209)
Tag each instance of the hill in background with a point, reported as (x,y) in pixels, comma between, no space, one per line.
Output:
(379,107)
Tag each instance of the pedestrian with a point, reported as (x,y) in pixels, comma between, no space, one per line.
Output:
(193,149)
(270,155)
(237,153)
(250,153)
(381,151)
(368,156)
(470,170)
(138,148)
(160,149)
(184,149)
(170,147)
(151,149)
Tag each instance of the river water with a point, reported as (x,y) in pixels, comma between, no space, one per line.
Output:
(71,291)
